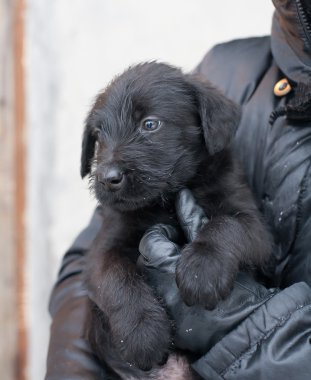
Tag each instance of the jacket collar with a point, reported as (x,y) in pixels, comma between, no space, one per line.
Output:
(291,40)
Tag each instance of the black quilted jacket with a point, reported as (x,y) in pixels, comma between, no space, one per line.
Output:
(277,155)
(275,342)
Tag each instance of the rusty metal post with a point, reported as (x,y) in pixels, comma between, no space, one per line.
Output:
(12,192)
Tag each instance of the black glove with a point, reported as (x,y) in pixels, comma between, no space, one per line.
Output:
(197,329)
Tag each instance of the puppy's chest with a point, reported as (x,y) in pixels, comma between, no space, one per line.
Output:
(146,219)
(137,225)
(155,216)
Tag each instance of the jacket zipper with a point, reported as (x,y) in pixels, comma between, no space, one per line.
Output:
(304,20)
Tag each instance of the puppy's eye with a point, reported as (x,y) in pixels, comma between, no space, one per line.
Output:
(151,125)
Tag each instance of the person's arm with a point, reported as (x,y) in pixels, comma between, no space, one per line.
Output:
(255,333)
(69,356)
(298,267)
(273,342)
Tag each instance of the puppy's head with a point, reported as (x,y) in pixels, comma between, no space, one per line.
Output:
(149,130)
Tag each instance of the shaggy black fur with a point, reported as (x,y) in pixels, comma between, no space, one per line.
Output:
(152,132)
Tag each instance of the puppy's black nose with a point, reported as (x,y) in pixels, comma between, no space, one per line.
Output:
(112,178)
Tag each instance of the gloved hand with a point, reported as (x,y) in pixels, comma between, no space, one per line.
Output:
(197,329)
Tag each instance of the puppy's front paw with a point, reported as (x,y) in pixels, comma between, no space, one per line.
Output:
(144,339)
(204,276)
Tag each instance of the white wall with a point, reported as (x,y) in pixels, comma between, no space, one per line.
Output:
(73,49)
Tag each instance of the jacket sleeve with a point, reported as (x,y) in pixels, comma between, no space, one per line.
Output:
(274,342)
(69,356)
(298,267)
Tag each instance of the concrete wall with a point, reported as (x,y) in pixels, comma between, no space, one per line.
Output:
(73,49)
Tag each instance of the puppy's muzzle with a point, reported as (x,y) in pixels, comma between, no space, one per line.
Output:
(111,178)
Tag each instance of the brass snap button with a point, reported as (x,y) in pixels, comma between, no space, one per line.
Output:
(282,87)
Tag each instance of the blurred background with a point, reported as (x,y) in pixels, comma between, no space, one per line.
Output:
(55,56)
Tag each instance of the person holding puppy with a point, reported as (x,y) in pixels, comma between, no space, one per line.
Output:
(263,329)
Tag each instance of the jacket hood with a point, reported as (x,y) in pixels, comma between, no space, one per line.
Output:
(291,38)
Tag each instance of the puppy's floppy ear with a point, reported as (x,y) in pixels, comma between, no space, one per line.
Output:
(219,115)
(88,148)
(90,137)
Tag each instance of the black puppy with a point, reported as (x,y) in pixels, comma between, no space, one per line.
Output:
(152,132)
